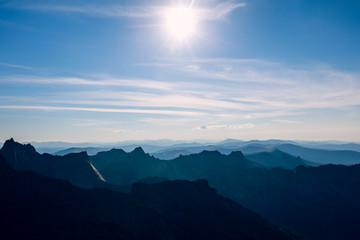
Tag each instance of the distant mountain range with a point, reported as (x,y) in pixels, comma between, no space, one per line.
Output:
(120,167)
(148,145)
(344,157)
(154,146)
(312,155)
(276,158)
(315,153)
(88,150)
(319,202)
(37,207)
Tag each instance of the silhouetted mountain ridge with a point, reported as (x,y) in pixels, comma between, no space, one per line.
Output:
(320,202)
(276,158)
(74,167)
(316,152)
(313,200)
(119,167)
(88,150)
(37,207)
(344,157)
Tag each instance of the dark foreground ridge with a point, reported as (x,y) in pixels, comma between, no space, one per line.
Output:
(319,202)
(37,207)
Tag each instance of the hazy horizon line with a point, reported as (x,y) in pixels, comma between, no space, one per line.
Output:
(180,141)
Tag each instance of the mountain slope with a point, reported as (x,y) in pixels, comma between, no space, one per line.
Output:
(211,216)
(88,150)
(37,207)
(344,157)
(320,202)
(320,152)
(276,158)
(122,168)
(74,167)
(119,167)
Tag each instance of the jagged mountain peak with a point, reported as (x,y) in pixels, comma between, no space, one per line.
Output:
(276,158)
(237,154)
(81,155)
(74,167)
(11,144)
(214,152)
(138,151)
(208,154)
(113,151)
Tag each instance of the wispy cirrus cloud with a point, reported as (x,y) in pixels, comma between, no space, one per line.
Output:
(234,70)
(137,99)
(238,126)
(91,122)
(113,10)
(286,121)
(271,85)
(272,91)
(107,82)
(220,11)
(210,11)
(105,110)
(9,65)
(310,89)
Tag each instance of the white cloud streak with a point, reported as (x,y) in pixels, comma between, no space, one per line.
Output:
(286,121)
(281,91)
(267,85)
(215,11)
(220,11)
(113,10)
(136,83)
(239,126)
(105,110)
(9,65)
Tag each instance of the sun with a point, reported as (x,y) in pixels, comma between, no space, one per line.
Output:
(180,22)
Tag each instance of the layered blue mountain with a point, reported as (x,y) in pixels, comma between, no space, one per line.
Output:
(323,152)
(313,155)
(277,158)
(344,157)
(74,167)
(332,146)
(33,206)
(120,167)
(88,150)
(319,202)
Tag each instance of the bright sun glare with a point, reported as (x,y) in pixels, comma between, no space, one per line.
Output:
(180,22)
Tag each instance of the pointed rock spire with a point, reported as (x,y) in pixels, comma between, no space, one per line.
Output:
(138,151)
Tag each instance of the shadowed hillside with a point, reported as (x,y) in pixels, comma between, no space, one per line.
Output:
(74,167)
(38,207)
(344,157)
(320,202)
(120,167)
(276,158)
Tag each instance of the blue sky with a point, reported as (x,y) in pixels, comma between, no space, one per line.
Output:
(107,71)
